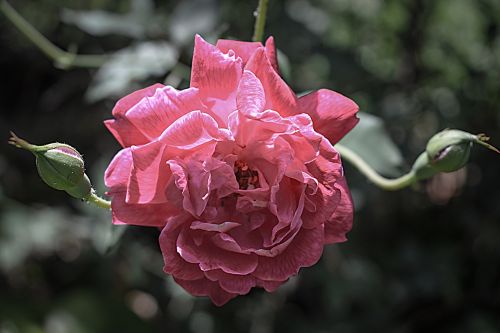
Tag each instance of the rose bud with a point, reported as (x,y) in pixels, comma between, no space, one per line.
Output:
(449,150)
(59,165)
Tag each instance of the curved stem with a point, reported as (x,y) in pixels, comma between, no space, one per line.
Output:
(98,201)
(260,21)
(382,182)
(62,58)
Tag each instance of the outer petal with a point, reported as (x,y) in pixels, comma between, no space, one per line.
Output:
(217,76)
(271,53)
(235,284)
(124,131)
(304,251)
(118,171)
(250,98)
(205,287)
(149,174)
(174,264)
(244,50)
(127,102)
(193,130)
(152,215)
(341,220)
(333,114)
(279,96)
(155,113)
(210,257)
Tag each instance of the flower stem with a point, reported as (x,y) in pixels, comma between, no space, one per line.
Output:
(61,58)
(260,21)
(98,201)
(380,181)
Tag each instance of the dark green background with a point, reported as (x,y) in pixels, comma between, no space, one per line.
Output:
(419,260)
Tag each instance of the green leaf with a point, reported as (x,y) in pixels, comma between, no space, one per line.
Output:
(130,65)
(370,140)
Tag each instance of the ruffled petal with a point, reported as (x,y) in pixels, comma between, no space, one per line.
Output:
(149,174)
(210,257)
(304,251)
(124,132)
(250,98)
(118,171)
(151,215)
(341,220)
(198,179)
(205,287)
(155,113)
(272,54)
(234,284)
(333,114)
(279,96)
(121,128)
(193,130)
(216,75)
(244,50)
(125,103)
(173,263)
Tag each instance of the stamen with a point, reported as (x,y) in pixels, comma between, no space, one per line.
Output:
(247,178)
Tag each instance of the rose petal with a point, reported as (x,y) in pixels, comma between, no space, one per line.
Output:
(340,222)
(217,76)
(193,130)
(279,96)
(244,50)
(155,113)
(210,257)
(118,171)
(234,284)
(173,263)
(304,251)
(205,287)
(149,174)
(271,53)
(333,114)
(153,215)
(126,133)
(250,98)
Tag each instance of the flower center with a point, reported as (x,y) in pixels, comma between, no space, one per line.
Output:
(247,178)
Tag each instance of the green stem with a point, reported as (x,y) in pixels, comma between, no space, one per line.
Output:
(61,58)
(260,21)
(98,201)
(382,182)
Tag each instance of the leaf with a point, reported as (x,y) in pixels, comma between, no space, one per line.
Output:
(98,23)
(370,140)
(129,65)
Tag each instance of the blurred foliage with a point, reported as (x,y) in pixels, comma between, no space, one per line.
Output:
(419,260)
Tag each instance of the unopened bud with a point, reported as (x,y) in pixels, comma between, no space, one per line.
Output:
(449,150)
(59,165)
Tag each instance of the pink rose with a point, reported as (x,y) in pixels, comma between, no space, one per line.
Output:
(239,172)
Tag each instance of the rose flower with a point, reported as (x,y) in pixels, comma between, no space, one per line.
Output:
(240,173)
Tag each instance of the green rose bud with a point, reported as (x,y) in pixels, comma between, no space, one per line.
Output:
(449,150)
(59,165)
